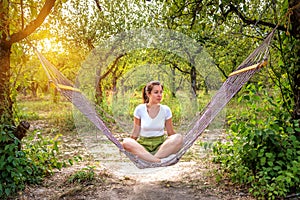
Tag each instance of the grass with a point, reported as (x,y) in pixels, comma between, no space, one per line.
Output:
(83,175)
(57,114)
(42,107)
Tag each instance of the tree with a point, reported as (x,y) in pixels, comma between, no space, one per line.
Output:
(7,40)
(291,40)
(231,29)
(295,32)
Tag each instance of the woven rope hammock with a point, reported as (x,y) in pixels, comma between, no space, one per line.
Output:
(235,81)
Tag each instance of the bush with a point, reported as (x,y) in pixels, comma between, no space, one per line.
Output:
(28,166)
(16,169)
(43,152)
(262,151)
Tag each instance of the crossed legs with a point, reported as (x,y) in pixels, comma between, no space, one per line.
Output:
(172,144)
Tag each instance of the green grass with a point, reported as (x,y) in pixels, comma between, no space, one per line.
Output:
(58,114)
(43,107)
(83,175)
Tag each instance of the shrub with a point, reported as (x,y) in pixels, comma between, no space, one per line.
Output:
(43,151)
(28,166)
(262,151)
(16,169)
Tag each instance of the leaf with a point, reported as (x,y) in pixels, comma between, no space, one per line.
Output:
(277,168)
(269,155)
(2,162)
(10,158)
(290,130)
(33,9)
(7,191)
(246,97)
(262,161)
(28,170)
(5,4)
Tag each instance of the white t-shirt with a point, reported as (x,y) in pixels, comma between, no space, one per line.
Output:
(152,127)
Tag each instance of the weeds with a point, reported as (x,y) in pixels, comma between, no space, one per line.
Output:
(84,175)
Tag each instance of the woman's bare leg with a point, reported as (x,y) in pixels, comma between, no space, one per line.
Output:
(171,146)
(135,148)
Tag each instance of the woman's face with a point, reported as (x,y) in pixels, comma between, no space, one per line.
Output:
(155,95)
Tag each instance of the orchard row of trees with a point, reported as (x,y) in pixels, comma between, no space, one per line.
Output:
(67,31)
(228,30)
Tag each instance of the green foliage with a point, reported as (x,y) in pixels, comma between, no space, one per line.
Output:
(84,175)
(43,151)
(262,150)
(286,73)
(16,169)
(28,115)
(40,155)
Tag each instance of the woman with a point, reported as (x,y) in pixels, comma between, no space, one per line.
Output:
(148,140)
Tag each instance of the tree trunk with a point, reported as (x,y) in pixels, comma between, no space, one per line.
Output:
(6,113)
(193,75)
(5,98)
(34,87)
(173,86)
(295,32)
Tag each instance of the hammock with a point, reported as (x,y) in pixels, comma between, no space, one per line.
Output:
(235,81)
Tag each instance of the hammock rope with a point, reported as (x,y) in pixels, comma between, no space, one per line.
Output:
(252,64)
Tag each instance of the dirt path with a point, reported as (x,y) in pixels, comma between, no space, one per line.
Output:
(117,178)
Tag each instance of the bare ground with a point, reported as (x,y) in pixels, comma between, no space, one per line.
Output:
(116,178)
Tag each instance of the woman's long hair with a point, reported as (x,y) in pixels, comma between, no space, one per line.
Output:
(148,88)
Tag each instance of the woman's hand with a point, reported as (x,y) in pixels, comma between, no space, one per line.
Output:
(136,128)
(169,127)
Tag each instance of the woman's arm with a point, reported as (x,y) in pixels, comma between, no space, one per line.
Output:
(169,127)
(136,128)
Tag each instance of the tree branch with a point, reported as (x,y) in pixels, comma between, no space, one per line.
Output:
(221,70)
(98,5)
(112,67)
(32,26)
(175,66)
(251,21)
